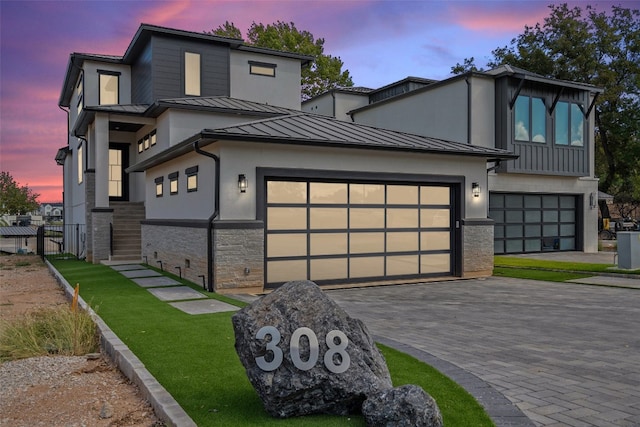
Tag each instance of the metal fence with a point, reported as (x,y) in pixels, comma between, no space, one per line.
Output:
(62,241)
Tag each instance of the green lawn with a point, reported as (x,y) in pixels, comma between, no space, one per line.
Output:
(193,356)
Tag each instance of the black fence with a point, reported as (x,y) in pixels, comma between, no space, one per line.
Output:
(62,241)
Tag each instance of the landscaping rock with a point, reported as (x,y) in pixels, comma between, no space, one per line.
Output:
(405,406)
(285,375)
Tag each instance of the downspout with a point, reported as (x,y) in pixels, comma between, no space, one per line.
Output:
(213,216)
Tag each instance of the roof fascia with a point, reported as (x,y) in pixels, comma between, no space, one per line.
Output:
(305,59)
(551,82)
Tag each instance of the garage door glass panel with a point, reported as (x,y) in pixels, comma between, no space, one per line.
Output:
(366,218)
(434,195)
(567,230)
(327,269)
(372,194)
(284,271)
(361,267)
(514,216)
(567,216)
(434,218)
(435,241)
(287,218)
(328,218)
(402,242)
(328,243)
(284,245)
(532,245)
(402,195)
(532,216)
(360,243)
(402,265)
(532,230)
(436,263)
(532,202)
(322,192)
(513,246)
(550,216)
(402,218)
(286,192)
(514,230)
(550,202)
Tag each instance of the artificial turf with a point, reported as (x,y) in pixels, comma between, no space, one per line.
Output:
(194,358)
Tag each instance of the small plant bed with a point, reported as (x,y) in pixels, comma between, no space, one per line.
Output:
(194,358)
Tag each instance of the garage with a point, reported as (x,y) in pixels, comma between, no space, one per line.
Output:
(527,222)
(346,231)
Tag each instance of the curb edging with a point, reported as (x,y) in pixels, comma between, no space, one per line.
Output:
(164,405)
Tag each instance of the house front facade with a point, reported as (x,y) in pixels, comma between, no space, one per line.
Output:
(191,152)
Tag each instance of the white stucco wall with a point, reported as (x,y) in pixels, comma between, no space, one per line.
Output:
(91,81)
(483,112)
(282,90)
(336,104)
(440,112)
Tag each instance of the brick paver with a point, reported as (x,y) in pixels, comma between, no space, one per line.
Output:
(565,354)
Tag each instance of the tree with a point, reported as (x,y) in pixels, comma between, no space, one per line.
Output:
(16,199)
(324,74)
(597,48)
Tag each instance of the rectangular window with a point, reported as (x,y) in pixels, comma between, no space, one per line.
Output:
(80,164)
(140,145)
(530,119)
(173,183)
(109,83)
(569,124)
(192,73)
(80,91)
(146,142)
(152,137)
(159,186)
(262,69)
(192,178)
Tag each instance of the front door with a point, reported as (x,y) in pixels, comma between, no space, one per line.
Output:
(118,178)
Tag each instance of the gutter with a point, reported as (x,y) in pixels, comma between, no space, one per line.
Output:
(213,216)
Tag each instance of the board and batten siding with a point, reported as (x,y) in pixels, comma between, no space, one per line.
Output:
(141,78)
(168,61)
(535,157)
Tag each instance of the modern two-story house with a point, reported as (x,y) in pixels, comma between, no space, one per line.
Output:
(544,200)
(191,151)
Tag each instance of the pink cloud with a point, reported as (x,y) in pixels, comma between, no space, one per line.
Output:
(497,18)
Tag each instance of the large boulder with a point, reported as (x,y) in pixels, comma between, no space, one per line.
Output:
(405,406)
(305,355)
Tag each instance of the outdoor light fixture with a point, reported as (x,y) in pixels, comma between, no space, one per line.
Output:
(475,189)
(242,183)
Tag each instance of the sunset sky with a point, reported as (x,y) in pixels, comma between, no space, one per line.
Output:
(378,41)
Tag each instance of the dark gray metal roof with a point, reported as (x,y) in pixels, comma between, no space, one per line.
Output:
(18,231)
(323,131)
(311,129)
(222,104)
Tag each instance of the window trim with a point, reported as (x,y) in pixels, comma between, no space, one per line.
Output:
(192,172)
(159,185)
(173,177)
(116,74)
(185,74)
(255,68)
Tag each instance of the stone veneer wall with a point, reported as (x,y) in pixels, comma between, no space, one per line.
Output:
(101,218)
(477,242)
(177,244)
(239,256)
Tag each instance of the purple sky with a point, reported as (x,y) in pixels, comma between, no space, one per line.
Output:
(378,41)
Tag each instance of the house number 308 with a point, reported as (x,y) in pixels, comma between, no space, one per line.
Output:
(314,350)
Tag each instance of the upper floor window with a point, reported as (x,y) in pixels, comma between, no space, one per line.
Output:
(192,178)
(262,69)
(109,82)
(192,73)
(530,119)
(173,183)
(569,124)
(80,164)
(159,186)
(80,92)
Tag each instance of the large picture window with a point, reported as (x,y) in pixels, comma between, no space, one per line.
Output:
(192,73)
(530,119)
(569,124)
(109,83)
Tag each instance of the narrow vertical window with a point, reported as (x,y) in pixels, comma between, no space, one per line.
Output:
(146,142)
(152,137)
(173,183)
(80,91)
(577,126)
(109,84)
(192,178)
(562,123)
(80,164)
(530,119)
(522,118)
(140,145)
(192,73)
(159,186)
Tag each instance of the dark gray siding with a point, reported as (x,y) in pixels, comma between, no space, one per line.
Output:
(168,67)
(141,78)
(535,157)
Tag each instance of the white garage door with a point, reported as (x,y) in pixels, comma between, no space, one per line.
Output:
(338,232)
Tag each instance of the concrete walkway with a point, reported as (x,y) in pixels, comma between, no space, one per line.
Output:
(565,354)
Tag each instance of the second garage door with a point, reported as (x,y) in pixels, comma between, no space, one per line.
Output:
(338,232)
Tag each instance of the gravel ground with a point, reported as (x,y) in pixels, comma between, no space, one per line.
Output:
(59,390)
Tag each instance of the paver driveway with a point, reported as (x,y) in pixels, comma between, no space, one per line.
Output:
(565,354)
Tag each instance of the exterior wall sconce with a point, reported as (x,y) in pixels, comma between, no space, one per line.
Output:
(593,201)
(242,183)
(475,189)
